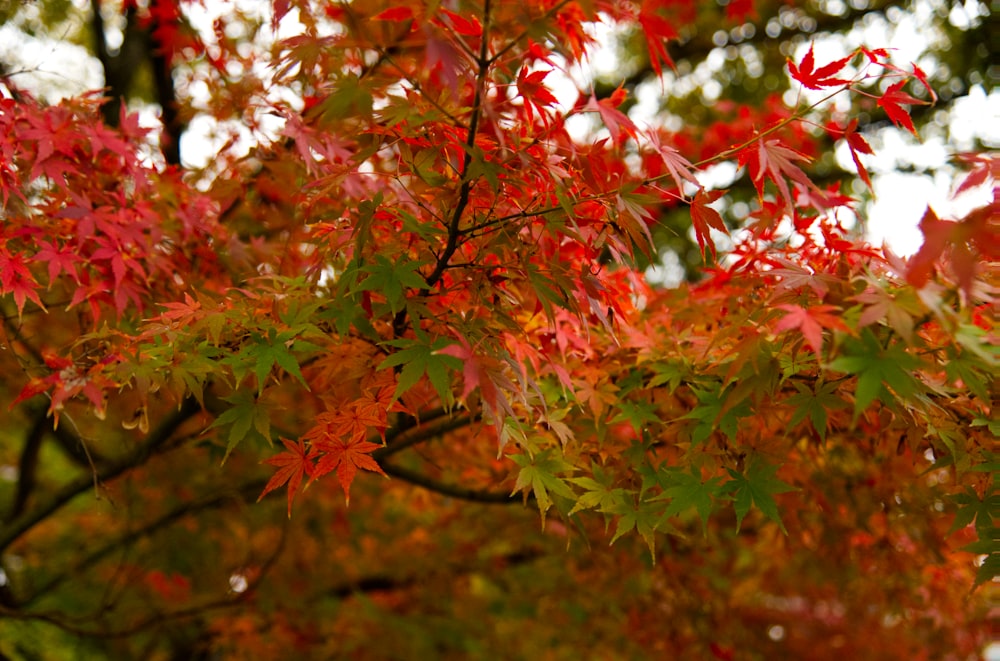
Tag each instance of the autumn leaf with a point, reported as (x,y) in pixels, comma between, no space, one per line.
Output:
(617,122)
(817,79)
(771,159)
(293,464)
(810,322)
(16,279)
(858,145)
(679,168)
(394,14)
(345,456)
(704,217)
(893,100)
(657,31)
(534,92)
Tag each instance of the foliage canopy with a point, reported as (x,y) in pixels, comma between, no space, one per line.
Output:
(410,302)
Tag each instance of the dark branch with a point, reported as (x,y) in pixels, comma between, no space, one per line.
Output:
(382,582)
(451,490)
(246,492)
(27,465)
(13,530)
(421,434)
(63,622)
(166,96)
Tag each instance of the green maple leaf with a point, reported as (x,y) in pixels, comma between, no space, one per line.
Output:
(715,411)
(264,353)
(643,518)
(540,473)
(599,493)
(757,487)
(814,404)
(421,356)
(637,414)
(971,509)
(391,279)
(245,417)
(877,367)
(687,490)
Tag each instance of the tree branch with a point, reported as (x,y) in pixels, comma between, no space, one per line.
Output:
(451,490)
(12,530)
(421,434)
(26,466)
(246,491)
(63,621)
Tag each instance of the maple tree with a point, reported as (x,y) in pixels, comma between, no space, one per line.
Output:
(395,366)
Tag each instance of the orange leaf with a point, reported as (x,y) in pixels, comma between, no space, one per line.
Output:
(346,456)
(292,465)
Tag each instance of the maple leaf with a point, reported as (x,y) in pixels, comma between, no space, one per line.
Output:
(817,79)
(394,14)
(470,27)
(16,279)
(615,120)
(815,404)
(657,32)
(883,305)
(60,260)
(680,168)
(540,474)
(877,367)
(958,241)
(775,161)
(245,413)
(345,456)
(686,491)
(984,167)
(704,218)
(858,145)
(419,357)
(293,464)
(893,100)
(811,322)
(535,93)
(757,486)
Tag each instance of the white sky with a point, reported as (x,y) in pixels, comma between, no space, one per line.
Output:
(58,69)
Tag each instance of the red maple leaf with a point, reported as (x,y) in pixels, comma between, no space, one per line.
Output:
(893,100)
(16,279)
(534,92)
(817,79)
(346,456)
(811,323)
(395,14)
(704,217)
(679,167)
(773,160)
(293,465)
(470,27)
(657,32)
(615,120)
(857,144)
(964,244)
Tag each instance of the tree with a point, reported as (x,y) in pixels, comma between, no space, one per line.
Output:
(419,272)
